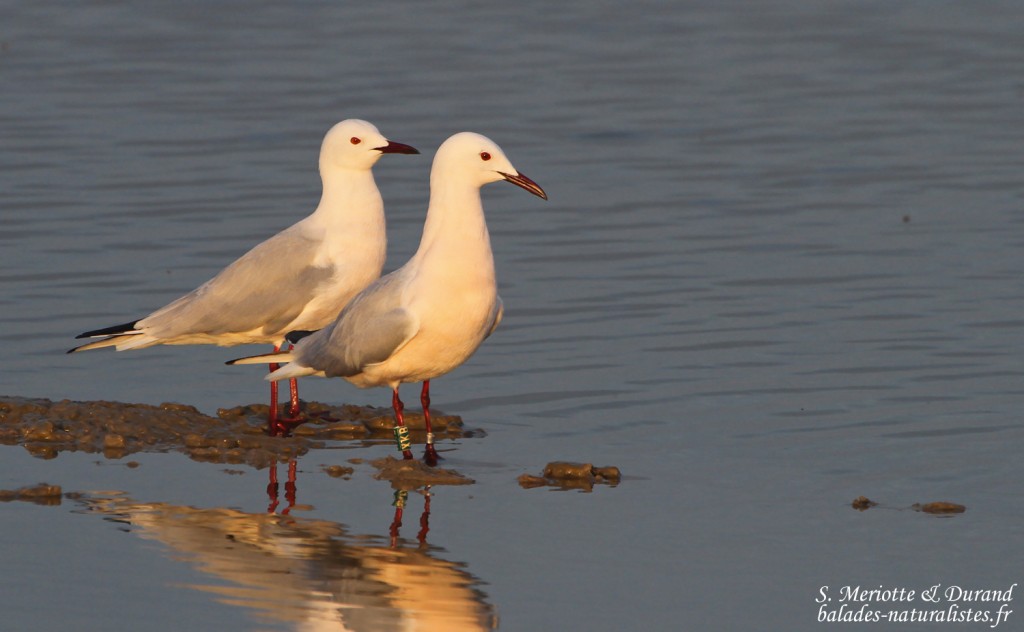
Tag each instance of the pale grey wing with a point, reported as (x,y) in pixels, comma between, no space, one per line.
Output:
(369,330)
(496,314)
(352,345)
(268,287)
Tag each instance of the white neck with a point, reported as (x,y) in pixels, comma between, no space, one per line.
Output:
(455,232)
(348,189)
(350,216)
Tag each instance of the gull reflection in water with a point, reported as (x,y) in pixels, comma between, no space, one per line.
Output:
(311,574)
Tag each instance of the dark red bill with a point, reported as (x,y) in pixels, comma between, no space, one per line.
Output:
(522,181)
(397,148)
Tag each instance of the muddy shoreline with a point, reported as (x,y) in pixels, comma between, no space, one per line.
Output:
(45,428)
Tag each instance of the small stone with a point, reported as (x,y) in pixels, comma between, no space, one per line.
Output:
(338,471)
(862,503)
(940,507)
(113,441)
(560,470)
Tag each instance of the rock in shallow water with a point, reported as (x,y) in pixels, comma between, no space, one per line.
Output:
(41,494)
(569,475)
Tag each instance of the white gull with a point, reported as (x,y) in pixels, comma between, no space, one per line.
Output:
(298,279)
(429,316)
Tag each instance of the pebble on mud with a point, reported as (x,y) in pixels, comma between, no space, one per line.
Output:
(41,494)
(412,474)
(568,475)
(237,435)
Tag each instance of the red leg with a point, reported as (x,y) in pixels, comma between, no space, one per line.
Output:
(294,408)
(293,386)
(401,432)
(430,456)
(274,427)
(277,425)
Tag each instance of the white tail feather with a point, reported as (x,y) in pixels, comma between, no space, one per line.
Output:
(109,341)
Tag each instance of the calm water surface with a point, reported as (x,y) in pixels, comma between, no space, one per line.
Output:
(779,269)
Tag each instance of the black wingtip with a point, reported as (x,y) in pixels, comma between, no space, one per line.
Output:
(108,331)
(298,334)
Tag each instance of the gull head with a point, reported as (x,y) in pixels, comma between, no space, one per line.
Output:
(356,144)
(467,155)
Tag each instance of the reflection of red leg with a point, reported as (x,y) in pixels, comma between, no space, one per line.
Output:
(396,522)
(272,489)
(401,432)
(289,488)
(424,518)
(430,456)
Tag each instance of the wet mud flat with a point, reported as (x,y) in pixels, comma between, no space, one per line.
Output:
(236,435)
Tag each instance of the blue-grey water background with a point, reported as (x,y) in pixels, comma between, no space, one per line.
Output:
(780,268)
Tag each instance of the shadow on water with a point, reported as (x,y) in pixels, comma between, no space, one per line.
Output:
(311,573)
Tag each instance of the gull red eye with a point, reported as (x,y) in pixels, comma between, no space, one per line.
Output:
(485,156)
(355,140)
